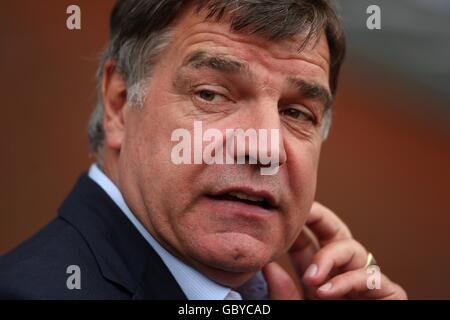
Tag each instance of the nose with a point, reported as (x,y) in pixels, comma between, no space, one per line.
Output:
(258,138)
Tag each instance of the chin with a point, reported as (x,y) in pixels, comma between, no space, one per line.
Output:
(234,252)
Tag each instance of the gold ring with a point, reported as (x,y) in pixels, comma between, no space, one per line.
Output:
(370,261)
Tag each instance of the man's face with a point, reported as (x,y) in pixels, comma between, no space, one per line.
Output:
(227,81)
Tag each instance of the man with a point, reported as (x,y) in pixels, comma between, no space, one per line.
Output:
(141,225)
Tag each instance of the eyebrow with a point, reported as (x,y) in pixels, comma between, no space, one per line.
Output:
(219,62)
(202,59)
(313,91)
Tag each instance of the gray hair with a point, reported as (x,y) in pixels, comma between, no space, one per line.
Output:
(140,30)
(134,61)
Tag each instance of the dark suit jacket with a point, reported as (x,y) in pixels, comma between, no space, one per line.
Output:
(115,261)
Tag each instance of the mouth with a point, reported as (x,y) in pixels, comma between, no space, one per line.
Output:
(259,198)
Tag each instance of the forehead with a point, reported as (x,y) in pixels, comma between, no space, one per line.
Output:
(193,32)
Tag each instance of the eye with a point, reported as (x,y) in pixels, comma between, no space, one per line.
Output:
(298,114)
(210,96)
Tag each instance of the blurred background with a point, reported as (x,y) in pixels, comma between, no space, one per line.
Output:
(385,168)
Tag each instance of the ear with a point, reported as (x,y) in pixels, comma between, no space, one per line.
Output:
(114,91)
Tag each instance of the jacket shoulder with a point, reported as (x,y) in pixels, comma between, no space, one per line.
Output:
(56,263)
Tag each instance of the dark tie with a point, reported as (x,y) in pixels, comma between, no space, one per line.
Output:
(254,289)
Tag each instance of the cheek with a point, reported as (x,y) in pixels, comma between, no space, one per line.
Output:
(302,166)
(301,176)
(147,151)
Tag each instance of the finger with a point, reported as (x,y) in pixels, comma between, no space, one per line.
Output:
(280,284)
(342,255)
(326,225)
(355,284)
(303,250)
(305,239)
(322,227)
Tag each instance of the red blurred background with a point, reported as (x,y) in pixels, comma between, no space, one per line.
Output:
(385,168)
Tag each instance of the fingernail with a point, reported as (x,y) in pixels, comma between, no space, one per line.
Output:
(326,287)
(311,271)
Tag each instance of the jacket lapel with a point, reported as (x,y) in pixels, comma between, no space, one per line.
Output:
(123,255)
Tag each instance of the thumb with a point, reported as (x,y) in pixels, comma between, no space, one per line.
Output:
(281,285)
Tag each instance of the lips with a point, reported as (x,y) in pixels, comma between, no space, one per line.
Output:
(259,198)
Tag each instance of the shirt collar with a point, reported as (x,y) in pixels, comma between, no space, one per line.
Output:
(195,285)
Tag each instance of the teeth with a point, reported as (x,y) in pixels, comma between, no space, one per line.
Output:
(243,196)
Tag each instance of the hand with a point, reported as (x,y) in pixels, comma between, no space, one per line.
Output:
(330,263)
